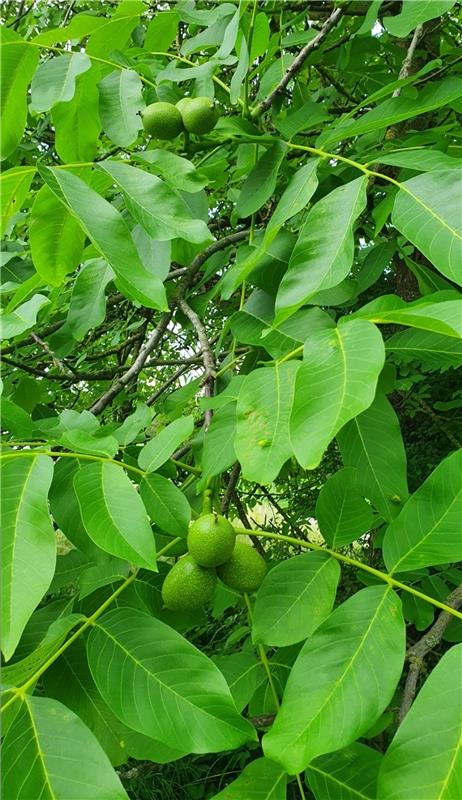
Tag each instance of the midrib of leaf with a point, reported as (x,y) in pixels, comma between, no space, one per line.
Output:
(15,537)
(450,769)
(342,784)
(40,752)
(366,452)
(278,415)
(179,697)
(305,589)
(350,663)
(429,533)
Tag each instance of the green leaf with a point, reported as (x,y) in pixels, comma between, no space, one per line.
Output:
(28,543)
(139,664)
(342,513)
(294,199)
(18,673)
(15,185)
(115,33)
(109,232)
(69,681)
(262,779)
(166,505)
(133,424)
(60,758)
(113,514)
(413,14)
(424,758)
(426,212)
(439,312)
(84,442)
(56,238)
(432,349)
(262,443)
(253,325)
(16,420)
(373,444)
(348,774)
(243,673)
(261,182)
(349,679)
(163,444)
(80,25)
(65,508)
(177,171)
(161,212)
(18,63)
(344,366)
(422,160)
(54,80)
(77,123)
(396,109)
(218,449)
(23,318)
(161,31)
(294,598)
(323,256)
(120,101)
(427,531)
(87,307)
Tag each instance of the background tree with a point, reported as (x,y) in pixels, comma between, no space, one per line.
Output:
(248,305)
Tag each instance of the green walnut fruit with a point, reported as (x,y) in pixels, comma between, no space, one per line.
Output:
(162,120)
(245,569)
(211,540)
(188,586)
(199,114)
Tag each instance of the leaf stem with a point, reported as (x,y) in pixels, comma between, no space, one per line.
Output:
(88,457)
(383,576)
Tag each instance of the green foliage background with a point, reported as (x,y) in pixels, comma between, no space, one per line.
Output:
(267,317)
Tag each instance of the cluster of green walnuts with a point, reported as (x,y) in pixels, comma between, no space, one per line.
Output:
(191,115)
(213,550)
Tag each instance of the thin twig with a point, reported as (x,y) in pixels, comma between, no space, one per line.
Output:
(233,479)
(420,649)
(297,63)
(135,368)
(407,63)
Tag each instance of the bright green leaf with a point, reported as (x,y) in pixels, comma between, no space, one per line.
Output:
(262,444)
(440,312)
(18,63)
(349,679)
(373,444)
(120,101)
(60,758)
(323,255)
(56,238)
(108,231)
(426,211)
(23,318)
(28,543)
(413,14)
(163,444)
(424,759)
(14,185)
(342,514)
(113,514)
(166,505)
(140,664)
(54,80)
(294,598)
(262,779)
(348,774)
(344,366)
(427,531)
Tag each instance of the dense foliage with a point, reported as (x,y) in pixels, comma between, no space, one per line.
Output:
(245,304)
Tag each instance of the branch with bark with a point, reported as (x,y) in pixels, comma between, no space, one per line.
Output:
(416,654)
(297,64)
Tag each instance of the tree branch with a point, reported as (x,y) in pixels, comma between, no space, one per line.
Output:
(420,649)
(135,368)
(297,63)
(407,63)
(207,355)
